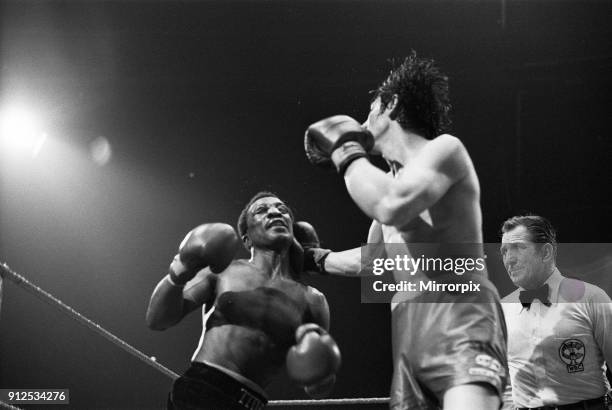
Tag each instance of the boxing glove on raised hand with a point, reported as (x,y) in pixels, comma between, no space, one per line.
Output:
(213,245)
(338,132)
(314,357)
(313,255)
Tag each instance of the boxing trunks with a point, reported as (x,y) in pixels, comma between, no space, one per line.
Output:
(205,387)
(442,340)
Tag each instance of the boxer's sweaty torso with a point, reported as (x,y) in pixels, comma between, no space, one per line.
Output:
(455,219)
(254,322)
(464,327)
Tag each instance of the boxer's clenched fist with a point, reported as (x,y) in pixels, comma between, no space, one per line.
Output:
(339,133)
(209,245)
(315,356)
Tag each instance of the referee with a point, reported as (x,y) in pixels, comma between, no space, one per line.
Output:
(559,337)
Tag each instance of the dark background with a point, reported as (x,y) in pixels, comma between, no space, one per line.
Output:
(205,103)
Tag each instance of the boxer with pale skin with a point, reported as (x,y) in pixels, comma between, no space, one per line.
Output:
(430,195)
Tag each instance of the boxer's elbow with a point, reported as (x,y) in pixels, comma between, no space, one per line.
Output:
(153,323)
(159,326)
(157,321)
(156,327)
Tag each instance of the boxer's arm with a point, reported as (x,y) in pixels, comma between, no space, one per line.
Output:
(207,249)
(170,303)
(349,263)
(419,185)
(319,308)
(320,315)
(344,263)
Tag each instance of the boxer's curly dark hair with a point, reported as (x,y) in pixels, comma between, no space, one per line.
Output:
(242,219)
(423,102)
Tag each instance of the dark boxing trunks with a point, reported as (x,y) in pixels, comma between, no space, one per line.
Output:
(204,387)
(449,340)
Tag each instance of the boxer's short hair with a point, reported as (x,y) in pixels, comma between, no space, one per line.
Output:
(242,219)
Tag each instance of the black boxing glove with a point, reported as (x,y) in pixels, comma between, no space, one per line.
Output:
(213,245)
(341,133)
(313,255)
(314,358)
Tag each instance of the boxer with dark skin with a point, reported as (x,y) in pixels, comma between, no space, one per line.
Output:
(260,317)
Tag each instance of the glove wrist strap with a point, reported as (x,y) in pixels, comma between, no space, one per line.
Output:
(346,153)
(321,262)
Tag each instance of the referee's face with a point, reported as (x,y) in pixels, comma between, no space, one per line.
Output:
(522,258)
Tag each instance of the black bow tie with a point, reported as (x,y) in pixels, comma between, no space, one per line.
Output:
(541,293)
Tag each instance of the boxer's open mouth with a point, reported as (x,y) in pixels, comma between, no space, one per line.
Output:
(276,222)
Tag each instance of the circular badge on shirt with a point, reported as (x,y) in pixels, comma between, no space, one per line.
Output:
(572,353)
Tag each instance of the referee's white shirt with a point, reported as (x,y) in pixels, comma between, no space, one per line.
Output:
(557,353)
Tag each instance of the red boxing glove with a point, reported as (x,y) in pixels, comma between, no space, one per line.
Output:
(315,356)
(213,245)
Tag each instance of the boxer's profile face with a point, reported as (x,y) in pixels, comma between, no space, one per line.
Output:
(270,223)
(522,258)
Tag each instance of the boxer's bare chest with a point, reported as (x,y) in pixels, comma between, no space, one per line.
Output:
(247,277)
(258,293)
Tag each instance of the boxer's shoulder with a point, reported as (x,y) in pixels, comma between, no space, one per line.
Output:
(446,144)
(447,153)
(447,139)
(314,295)
(237,263)
(240,266)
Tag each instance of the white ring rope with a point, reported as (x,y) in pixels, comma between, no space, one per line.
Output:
(47,297)
(4,405)
(328,402)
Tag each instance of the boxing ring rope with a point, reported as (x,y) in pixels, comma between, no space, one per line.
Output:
(73,314)
(47,297)
(4,405)
(329,402)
